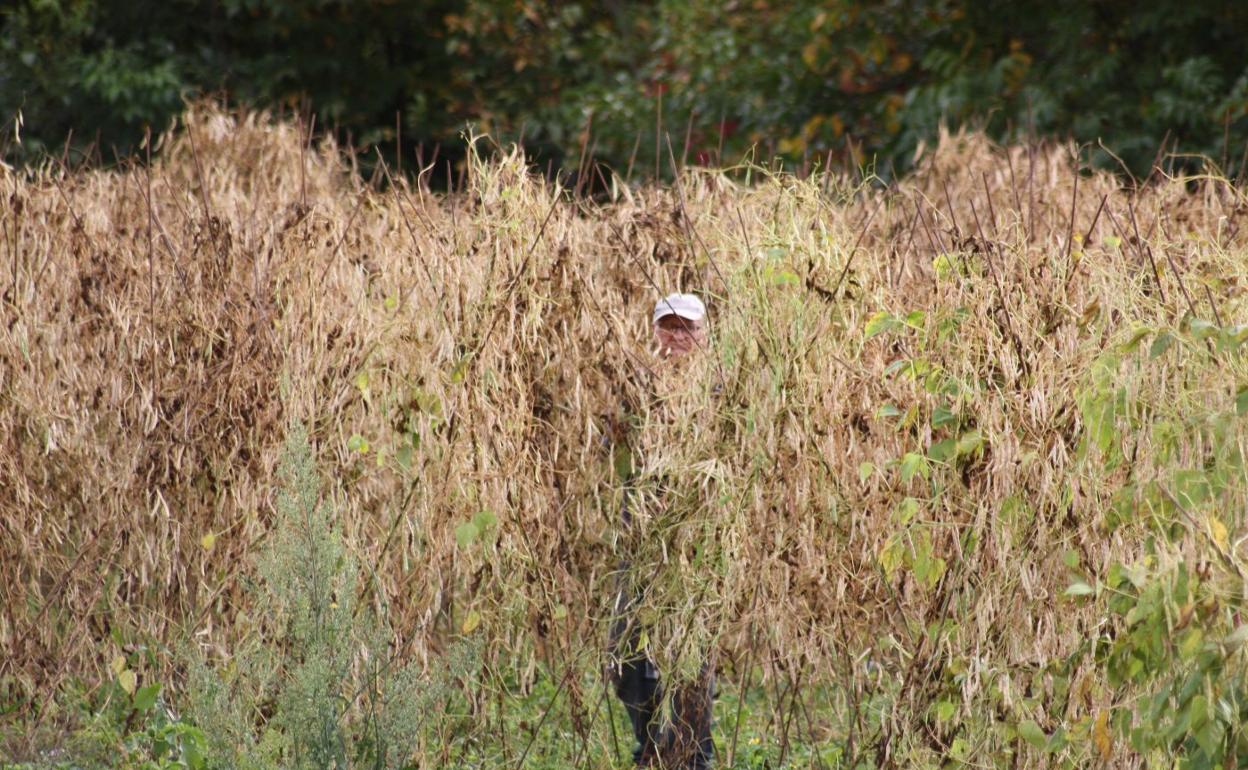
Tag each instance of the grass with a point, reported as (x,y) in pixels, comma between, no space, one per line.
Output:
(959,479)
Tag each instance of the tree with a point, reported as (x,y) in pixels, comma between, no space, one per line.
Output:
(864,81)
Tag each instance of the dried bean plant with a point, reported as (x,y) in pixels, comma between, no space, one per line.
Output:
(935,425)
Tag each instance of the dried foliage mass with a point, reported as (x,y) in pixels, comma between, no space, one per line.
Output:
(926,421)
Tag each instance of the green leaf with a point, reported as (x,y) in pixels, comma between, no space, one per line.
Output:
(971,441)
(891,556)
(427,402)
(949,325)
(460,371)
(906,511)
(404,456)
(1079,588)
(942,451)
(484,519)
(1202,329)
(927,567)
(784,278)
(357,443)
(1241,400)
(896,366)
(622,460)
(942,416)
(915,368)
(1029,731)
(1161,344)
(959,749)
(1120,574)
(1209,738)
(880,323)
(912,464)
(865,470)
(145,698)
(1105,371)
(1191,643)
(945,710)
(1192,487)
(128,680)
(1133,342)
(193,749)
(887,410)
(466,533)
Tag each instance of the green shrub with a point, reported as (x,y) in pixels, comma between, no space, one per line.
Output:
(320,684)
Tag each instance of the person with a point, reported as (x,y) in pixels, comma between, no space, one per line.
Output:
(680,333)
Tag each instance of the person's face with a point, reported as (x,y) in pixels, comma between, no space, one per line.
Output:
(677,337)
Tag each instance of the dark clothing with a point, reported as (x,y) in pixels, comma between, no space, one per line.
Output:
(688,739)
(686,743)
(636,681)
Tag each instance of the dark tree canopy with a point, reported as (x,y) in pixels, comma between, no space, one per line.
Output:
(864,81)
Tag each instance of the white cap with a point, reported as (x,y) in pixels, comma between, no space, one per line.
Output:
(686,306)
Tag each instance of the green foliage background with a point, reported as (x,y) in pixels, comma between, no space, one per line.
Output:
(862,80)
